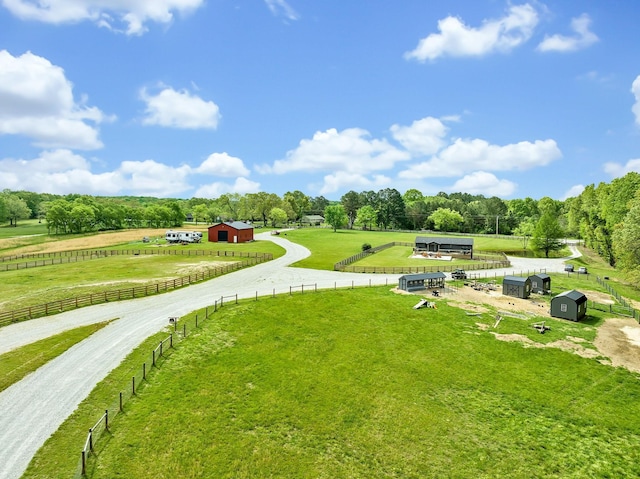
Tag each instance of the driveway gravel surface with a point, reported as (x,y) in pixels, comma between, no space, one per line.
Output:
(33,408)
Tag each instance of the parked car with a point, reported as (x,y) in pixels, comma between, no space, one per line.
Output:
(582,270)
(458,274)
(568,268)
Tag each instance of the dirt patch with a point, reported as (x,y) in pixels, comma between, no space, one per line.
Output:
(598,296)
(470,299)
(619,340)
(200,267)
(101,240)
(564,344)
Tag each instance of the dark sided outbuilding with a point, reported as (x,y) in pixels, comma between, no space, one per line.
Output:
(413,282)
(570,305)
(540,283)
(516,286)
(461,246)
(231,232)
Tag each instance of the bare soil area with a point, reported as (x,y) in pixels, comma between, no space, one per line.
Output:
(617,339)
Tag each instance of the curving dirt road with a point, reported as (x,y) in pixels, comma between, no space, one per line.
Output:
(32,409)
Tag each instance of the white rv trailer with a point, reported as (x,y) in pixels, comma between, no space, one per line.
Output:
(172,236)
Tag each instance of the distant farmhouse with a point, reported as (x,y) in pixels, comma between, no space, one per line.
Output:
(231,232)
(312,220)
(458,246)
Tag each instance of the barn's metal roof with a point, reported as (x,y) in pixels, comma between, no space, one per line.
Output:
(441,240)
(239,225)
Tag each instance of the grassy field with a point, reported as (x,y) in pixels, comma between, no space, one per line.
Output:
(16,364)
(28,287)
(328,247)
(375,390)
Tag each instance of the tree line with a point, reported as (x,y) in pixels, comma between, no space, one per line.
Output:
(606,216)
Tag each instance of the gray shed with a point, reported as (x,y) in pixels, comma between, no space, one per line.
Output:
(413,282)
(540,283)
(570,305)
(516,286)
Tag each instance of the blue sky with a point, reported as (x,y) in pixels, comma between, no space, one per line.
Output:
(196,98)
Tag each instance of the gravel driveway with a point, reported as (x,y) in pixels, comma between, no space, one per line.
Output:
(33,408)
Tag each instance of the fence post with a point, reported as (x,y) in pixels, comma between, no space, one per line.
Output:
(236,298)
(144,370)
(120,401)
(184,330)
(106,419)
(133,385)
(84,463)
(171,340)
(91,439)
(154,357)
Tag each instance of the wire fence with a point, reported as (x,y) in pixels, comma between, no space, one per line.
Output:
(55,307)
(623,309)
(179,330)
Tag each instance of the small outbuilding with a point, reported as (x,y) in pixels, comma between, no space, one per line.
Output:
(540,283)
(231,232)
(571,305)
(414,282)
(312,220)
(516,286)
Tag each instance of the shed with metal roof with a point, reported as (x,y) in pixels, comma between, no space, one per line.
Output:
(413,282)
(231,232)
(570,305)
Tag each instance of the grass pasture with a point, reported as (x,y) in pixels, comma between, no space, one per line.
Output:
(16,364)
(378,390)
(328,247)
(28,287)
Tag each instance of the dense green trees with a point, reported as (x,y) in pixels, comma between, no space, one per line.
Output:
(606,216)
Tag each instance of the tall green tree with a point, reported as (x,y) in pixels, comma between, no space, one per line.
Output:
(16,209)
(390,209)
(277,216)
(297,202)
(335,216)
(445,219)
(626,242)
(366,217)
(351,203)
(548,234)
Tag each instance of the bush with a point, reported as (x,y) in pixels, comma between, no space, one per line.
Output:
(366,247)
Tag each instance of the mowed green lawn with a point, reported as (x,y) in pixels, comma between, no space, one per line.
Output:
(32,286)
(358,384)
(328,247)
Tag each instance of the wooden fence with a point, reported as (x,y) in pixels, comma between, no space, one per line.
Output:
(64,257)
(490,260)
(68,304)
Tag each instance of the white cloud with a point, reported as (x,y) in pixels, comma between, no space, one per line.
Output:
(282,8)
(63,172)
(459,40)
(57,172)
(561,43)
(105,13)
(222,164)
(36,101)
(214,190)
(617,170)
(635,89)
(483,183)
(349,150)
(423,137)
(179,109)
(346,180)
(464,156)
(572,192)
(150,178)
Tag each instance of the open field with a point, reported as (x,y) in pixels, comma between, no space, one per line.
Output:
(328,247)
(383,391)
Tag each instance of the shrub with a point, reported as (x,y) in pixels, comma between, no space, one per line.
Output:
(366,247)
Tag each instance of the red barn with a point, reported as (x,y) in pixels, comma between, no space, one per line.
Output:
(231,232)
